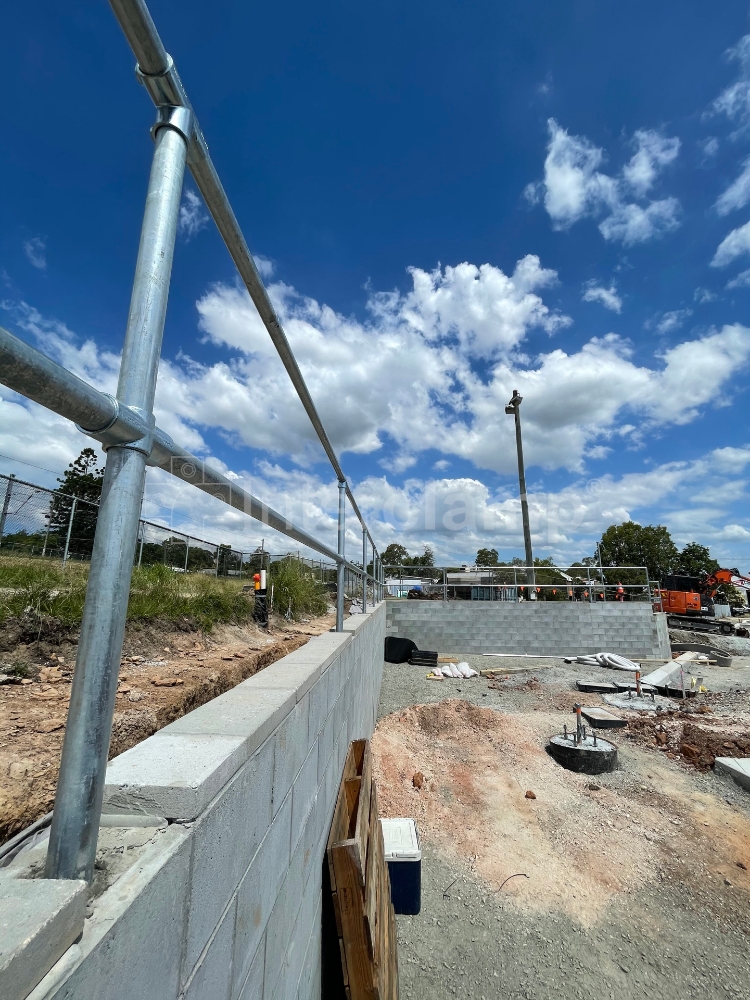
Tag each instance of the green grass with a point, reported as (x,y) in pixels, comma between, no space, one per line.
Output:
(156,592)
(43,588)
(297,593)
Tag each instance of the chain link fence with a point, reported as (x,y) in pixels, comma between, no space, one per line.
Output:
(42,523)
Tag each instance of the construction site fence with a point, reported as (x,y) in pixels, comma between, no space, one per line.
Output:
(42,523)
(591,584)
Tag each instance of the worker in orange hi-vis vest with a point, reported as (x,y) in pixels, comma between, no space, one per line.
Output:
(260,612)
(620,591)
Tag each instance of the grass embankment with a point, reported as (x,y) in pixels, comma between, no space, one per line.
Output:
(36,587)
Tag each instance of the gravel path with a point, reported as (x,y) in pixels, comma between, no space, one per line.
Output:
(680,931)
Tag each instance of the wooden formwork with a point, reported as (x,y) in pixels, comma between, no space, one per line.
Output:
(360,884)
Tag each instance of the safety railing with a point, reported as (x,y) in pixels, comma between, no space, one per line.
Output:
(125,425)
(519,583)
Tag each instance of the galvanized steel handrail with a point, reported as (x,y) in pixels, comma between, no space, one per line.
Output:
(157,72)
(125,426)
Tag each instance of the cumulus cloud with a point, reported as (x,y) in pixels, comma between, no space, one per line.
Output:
(608,297)
(673,320)
(415,376)
(734,245)
(192,216)
(36,252)
(574,187)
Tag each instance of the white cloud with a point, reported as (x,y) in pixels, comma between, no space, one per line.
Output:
(36,252)
(737,195)
(734,101)
(741,281)
(710,147)
(608,297)
(192,217)
(732,246)
(654,151)
(441,464)
(405,382)
(574,188)
(673,320)
(703,295)
(265,266)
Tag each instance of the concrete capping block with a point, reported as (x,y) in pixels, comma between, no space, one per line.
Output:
(736,767)
(39,920)
(252,713)
(172,774)
(142,916)
(302,668)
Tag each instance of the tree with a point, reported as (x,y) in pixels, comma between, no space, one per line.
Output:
(83,481)
(632,544)
(695,559)
(394,555)
(487,557)
(426,559)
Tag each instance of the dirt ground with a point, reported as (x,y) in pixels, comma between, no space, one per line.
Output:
(163,674)
(637,882)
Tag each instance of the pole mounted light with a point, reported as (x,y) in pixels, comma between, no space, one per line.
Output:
(514,409)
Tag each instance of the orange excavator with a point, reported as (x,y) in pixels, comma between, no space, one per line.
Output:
(689,600)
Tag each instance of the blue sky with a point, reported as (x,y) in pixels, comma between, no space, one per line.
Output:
(448,202)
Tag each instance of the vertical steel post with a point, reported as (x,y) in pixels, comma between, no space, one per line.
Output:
(70,529)
(445,583)
(340,568)
(80,787)
(6,504)
(187,550)
(364,570)
(46,538)
(140,550)
(515,409)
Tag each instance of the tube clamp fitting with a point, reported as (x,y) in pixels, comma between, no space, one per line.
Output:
(177,118)
(130,427)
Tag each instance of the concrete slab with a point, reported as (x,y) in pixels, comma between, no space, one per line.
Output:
(173,775)
(636,704)
(600,718)
(596,687)
(39,920)
(737,767)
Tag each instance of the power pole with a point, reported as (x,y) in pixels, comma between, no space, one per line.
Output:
(514,408)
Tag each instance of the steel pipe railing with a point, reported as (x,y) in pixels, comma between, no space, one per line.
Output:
(157,72)
(125,426)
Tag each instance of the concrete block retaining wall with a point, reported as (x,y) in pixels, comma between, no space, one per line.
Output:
(540,627)
(226,903)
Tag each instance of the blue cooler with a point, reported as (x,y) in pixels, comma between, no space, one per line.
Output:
(404,857)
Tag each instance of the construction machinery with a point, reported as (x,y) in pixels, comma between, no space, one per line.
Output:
(689,600)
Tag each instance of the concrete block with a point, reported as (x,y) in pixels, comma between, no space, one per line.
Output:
(318,706)
(225,841)
(325,743)
(173,775)
(257,894)
(281,922)
(132,945)
(302,668)
(253,986)
(39,921)
(291,748)
(250,712)
(303,793)
(212,976)
(737,767)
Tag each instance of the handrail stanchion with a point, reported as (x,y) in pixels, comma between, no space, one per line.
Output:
(340,568)
(80,786)
(364,570)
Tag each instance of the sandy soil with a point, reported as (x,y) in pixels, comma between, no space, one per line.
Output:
(638,881)
(163,674)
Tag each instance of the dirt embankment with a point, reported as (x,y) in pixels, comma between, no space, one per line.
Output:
(164,674)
